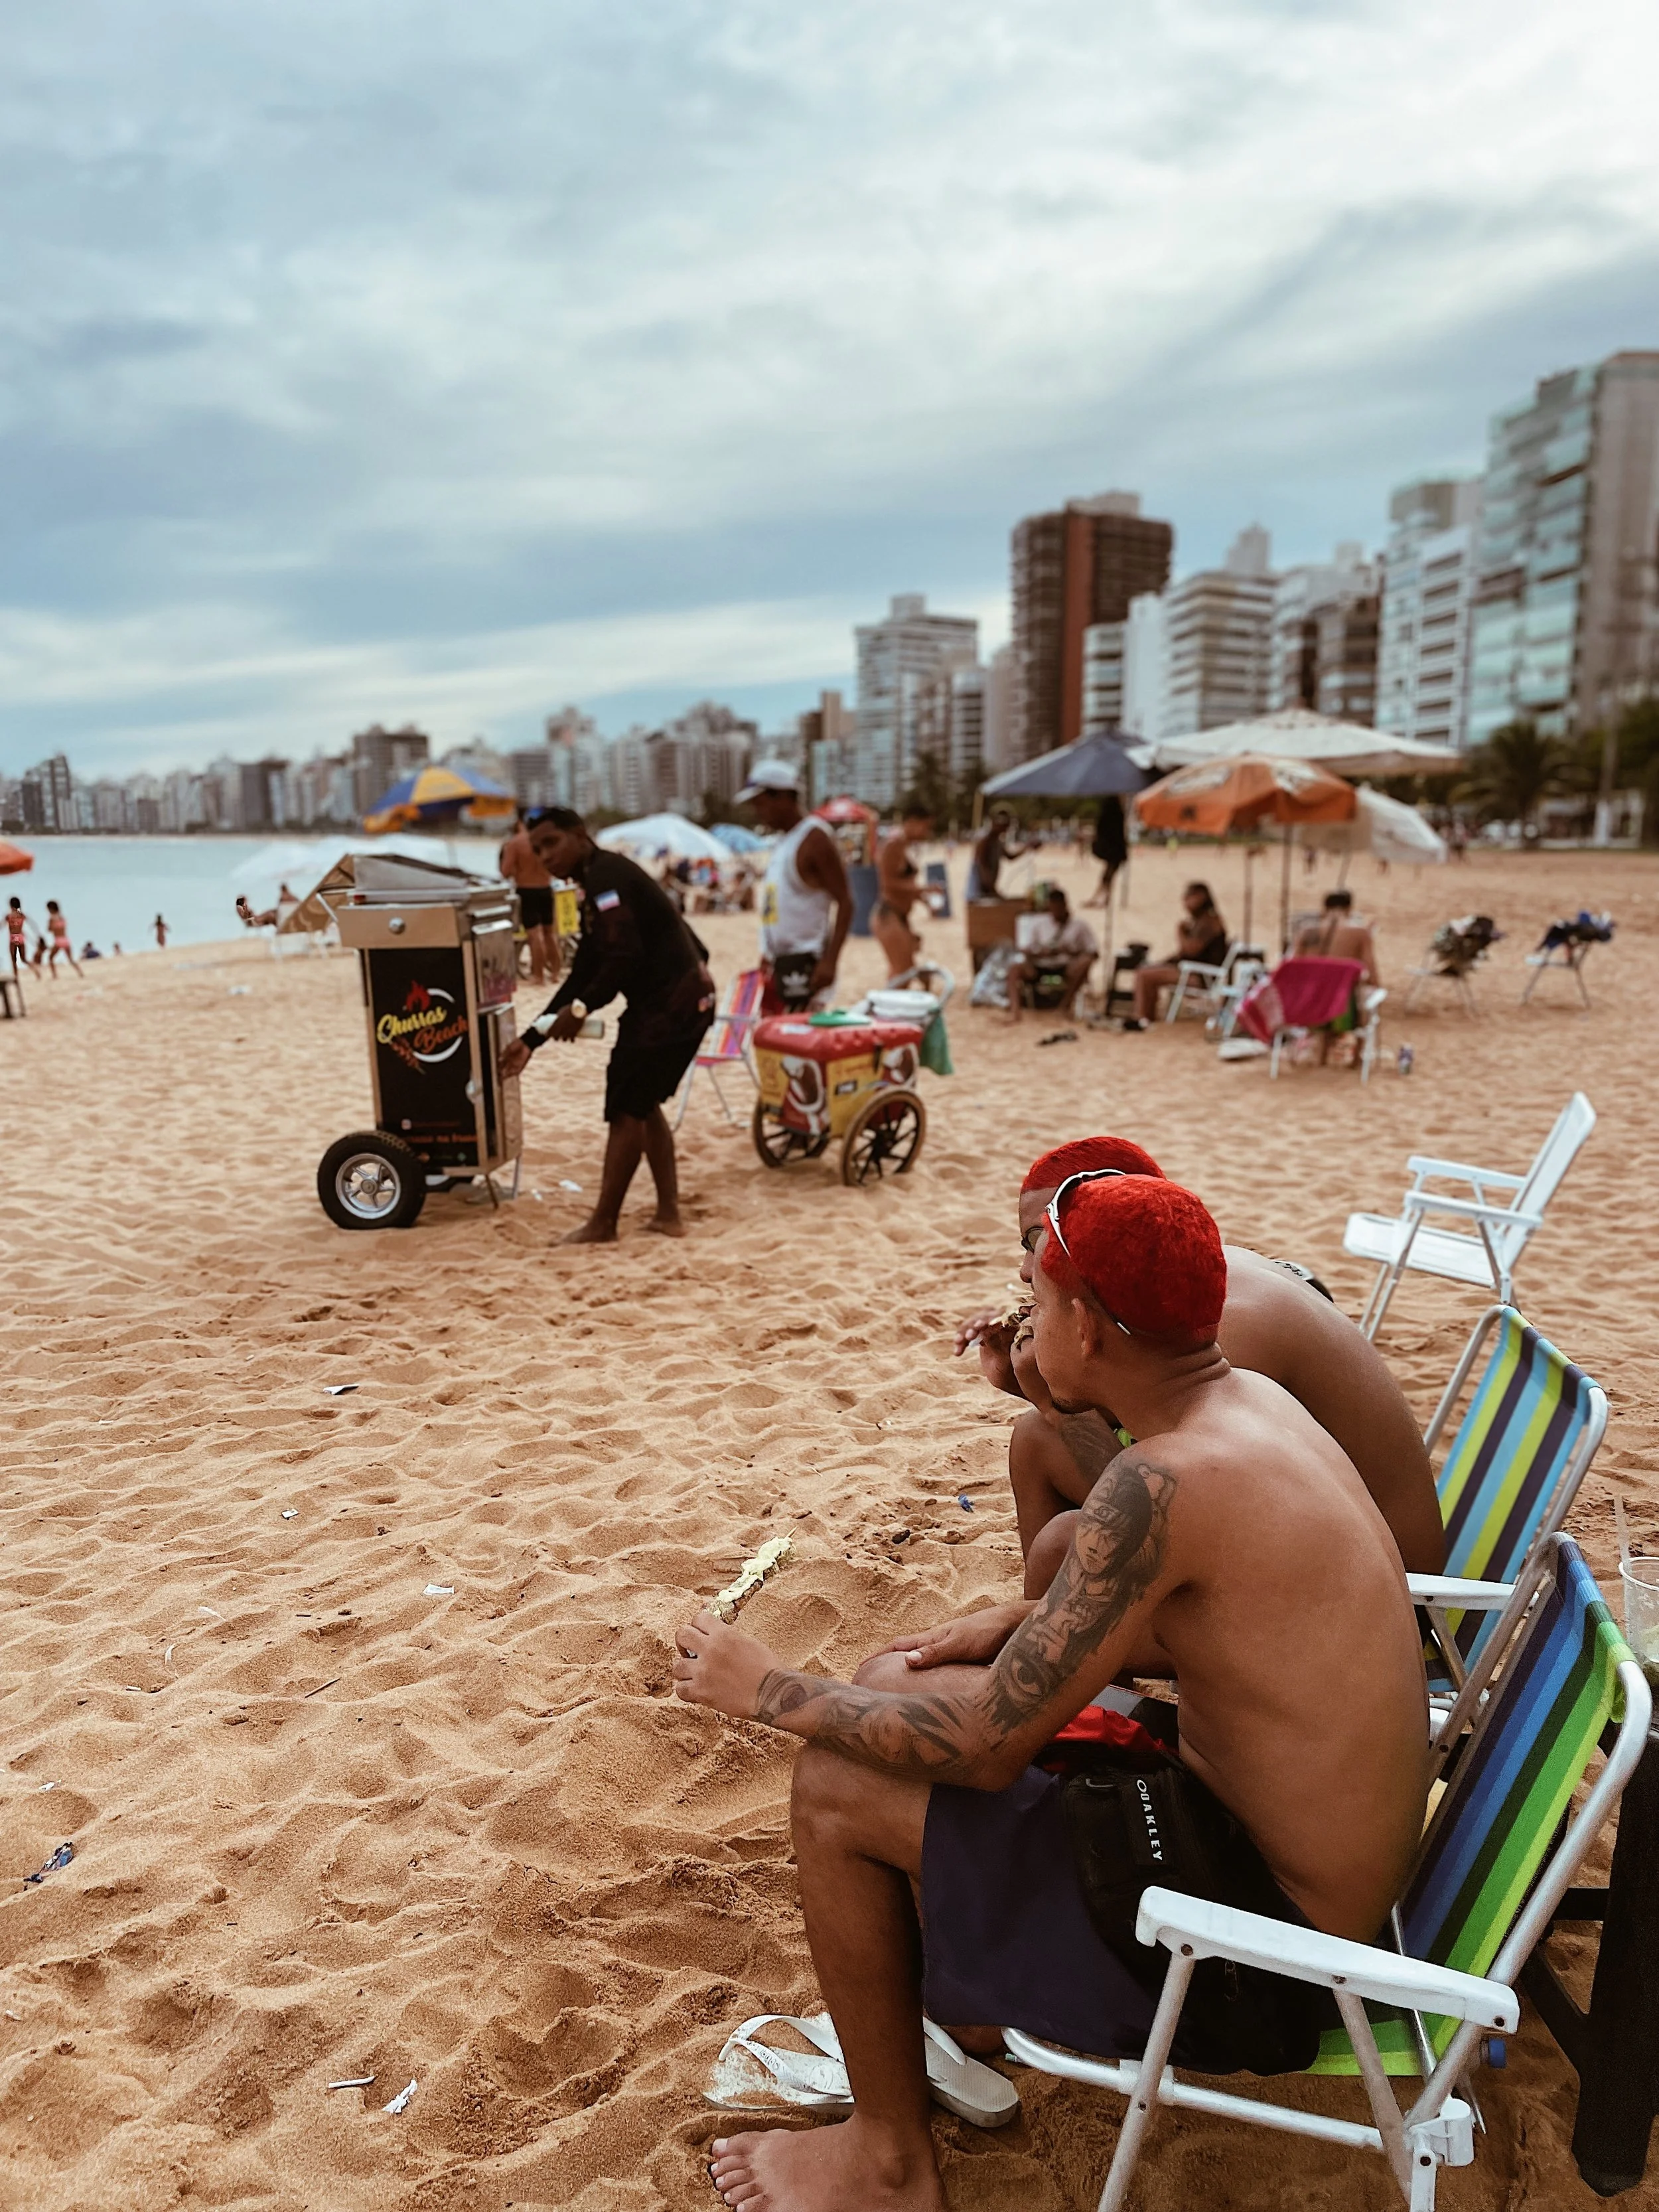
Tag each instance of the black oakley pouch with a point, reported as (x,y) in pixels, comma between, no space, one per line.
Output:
(1135,1824)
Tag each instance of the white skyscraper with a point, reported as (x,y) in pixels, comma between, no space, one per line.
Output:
(896,657)
(1428,598)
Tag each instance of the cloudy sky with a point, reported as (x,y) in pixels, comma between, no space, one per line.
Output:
(446,361)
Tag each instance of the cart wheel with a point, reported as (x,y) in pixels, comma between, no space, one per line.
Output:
(885,1138)
(780,1147)
(371,1180)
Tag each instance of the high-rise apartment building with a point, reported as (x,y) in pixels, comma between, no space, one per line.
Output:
(1566,596)
(951,721)
(1073,571)
(1428,598)
(379,757)
(1219,639)
(825,747)
(1310,602)
(896,657)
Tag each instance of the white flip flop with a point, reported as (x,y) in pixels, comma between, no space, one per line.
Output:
(752,2076)
(974,2092)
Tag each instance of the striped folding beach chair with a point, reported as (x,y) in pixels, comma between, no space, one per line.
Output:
(1489,1876)
(1532,1426)
(728,1040)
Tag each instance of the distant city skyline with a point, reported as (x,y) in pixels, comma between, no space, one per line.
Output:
(537,354)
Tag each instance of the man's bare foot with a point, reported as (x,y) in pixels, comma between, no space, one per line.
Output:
(592,1231)
(666,1224)
(826,2169)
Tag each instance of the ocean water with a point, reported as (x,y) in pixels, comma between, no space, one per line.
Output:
(111,889)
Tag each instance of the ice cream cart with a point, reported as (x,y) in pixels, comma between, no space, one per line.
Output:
(856,1081)
(439,964)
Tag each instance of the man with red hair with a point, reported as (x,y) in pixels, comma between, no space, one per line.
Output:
(1277,1321)
(1233,1535)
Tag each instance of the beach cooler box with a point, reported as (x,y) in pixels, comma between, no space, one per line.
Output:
(854,1081)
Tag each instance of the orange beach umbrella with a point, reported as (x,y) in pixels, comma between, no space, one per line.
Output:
(1242,791)
(14,860)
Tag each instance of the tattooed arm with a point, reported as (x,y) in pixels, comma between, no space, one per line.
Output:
(1072,1644)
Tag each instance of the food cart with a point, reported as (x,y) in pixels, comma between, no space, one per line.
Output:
(437,955)
(852,1077)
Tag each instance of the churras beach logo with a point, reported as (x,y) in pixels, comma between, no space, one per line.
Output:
(428,1030)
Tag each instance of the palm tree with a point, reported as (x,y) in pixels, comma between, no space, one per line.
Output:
(1516,767)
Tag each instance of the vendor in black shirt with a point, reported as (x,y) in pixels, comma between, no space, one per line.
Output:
(635,943)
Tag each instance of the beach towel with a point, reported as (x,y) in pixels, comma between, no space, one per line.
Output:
(1299,995)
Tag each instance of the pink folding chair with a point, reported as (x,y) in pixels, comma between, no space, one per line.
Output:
(727,1040)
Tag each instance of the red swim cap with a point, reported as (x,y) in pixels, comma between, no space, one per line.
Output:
(1149,1251)
(1077,1158)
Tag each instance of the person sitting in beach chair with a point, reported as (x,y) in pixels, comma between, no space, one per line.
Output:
(1278,1321)
(1201,935)
(1341,935)
(1056,966)
(1233,1544)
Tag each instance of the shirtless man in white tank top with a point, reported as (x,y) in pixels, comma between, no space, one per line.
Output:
(807,907)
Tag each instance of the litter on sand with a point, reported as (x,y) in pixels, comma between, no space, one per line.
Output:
(964,1501)
(401,2102)
(339,1389)
(563,1185)
(749,1577)
(45,1786)
(360,2081)
(59,1859)
(290,1513)
(439,1589)
(240,990)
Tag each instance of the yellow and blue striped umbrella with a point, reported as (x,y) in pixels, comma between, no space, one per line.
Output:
(436,794)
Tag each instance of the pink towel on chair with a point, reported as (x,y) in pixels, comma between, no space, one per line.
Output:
(1299,995)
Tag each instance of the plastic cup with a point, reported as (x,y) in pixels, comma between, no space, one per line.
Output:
(1641,1580)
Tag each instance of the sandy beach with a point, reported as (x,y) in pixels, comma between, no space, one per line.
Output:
(330,1821)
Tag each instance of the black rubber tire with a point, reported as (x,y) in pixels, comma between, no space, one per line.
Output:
(886,1133)
(347,1198)
(780,1147)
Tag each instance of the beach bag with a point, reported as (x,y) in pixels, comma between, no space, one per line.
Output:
(1135,1823)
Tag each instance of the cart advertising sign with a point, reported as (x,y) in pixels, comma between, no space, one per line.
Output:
(815,1079)
(423,1065)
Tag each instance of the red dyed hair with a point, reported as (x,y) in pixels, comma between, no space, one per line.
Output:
(1150,1253)
(1086,1152)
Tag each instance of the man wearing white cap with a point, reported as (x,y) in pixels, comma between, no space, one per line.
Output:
(805,907)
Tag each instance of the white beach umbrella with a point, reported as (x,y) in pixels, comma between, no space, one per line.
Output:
(653,834)
(1294,734)
(1386,828)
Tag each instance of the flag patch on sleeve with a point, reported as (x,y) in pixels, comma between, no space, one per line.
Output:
(606,900)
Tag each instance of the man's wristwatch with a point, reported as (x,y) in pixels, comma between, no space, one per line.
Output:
(542,1028)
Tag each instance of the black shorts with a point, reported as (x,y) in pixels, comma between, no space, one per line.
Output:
(640,1076)
(1006,1937)
(536,906)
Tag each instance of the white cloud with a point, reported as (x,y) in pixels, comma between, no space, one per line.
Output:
(380,345)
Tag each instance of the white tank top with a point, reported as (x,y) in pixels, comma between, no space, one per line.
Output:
(793,918)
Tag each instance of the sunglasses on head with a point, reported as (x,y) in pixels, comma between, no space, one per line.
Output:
(1051,1218)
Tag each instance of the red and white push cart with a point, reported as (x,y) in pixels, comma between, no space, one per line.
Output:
(855,1079)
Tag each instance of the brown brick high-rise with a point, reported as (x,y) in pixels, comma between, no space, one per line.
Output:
(1078,567)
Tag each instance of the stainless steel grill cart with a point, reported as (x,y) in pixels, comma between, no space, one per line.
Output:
(439,965)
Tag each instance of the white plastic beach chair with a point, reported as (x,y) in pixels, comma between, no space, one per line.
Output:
(1485,1252)
(1495,1861)
(1206,982)
(1370,1017)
